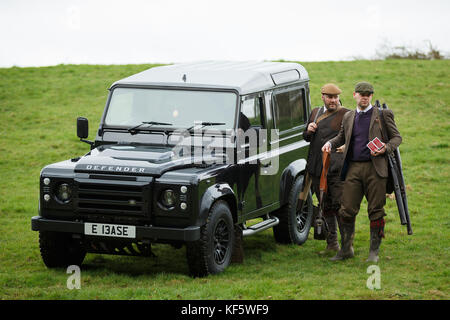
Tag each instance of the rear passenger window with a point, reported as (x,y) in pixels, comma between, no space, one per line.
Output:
(250,113)
(289,108)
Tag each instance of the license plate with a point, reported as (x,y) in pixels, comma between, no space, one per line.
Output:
(109,230)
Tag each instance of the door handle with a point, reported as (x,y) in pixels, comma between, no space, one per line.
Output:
(266,165)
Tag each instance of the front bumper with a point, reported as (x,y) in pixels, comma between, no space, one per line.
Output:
(39,223)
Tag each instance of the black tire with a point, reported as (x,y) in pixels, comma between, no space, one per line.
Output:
(294,224)
(212,253)
(60,250)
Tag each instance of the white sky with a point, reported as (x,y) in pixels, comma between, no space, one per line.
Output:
(46,32)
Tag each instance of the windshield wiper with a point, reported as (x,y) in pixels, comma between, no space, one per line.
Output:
(135,130)
(204,124)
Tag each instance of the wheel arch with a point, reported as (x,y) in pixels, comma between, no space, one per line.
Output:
(288,176)
(220,191)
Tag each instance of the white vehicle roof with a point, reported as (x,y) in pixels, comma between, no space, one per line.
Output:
(245,77)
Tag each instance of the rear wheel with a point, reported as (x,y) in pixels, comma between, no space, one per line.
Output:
(295,222)
(212,252)
(59,249)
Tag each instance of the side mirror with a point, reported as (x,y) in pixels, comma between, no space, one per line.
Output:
(82,128)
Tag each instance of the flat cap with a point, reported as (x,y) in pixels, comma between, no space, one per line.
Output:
(330,88)
(363,87)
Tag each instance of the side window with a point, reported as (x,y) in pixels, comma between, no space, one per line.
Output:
(250,114)
(289,108)
(268,110)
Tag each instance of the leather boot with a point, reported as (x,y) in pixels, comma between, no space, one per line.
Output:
(376,235)
(332,238)
(347,235)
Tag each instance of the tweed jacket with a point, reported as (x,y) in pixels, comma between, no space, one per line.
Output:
(327,129)
(392,141)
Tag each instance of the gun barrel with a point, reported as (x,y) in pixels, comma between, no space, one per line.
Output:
(403,191)
(395,166)
(400,194)
(409,228)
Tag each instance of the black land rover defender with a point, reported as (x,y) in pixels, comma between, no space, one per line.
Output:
(192,154)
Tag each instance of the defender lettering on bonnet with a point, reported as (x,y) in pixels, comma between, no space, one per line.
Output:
(115,168)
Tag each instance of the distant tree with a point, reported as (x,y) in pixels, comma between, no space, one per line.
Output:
(386,51)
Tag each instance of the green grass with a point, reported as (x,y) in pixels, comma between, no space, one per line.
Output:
(38,110)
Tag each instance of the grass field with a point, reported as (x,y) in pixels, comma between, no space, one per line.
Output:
(38,109)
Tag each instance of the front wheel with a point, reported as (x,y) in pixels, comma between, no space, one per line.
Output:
(295,222)
(59,249)
(212,253)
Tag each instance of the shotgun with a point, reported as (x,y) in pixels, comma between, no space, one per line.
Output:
(320,225)
(396,172)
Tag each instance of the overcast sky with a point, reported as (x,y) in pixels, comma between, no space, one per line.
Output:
(50,32)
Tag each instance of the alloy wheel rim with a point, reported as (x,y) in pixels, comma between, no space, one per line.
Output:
(301,217)
(221,241)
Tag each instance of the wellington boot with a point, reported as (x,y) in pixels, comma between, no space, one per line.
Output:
(332,238)
(376,235)
(347,235)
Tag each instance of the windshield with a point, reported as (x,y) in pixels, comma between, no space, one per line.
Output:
(182,108)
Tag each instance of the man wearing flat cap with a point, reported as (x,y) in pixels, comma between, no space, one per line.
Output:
(324,124)
(365,172)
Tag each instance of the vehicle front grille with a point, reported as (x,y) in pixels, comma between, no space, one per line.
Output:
(113,198)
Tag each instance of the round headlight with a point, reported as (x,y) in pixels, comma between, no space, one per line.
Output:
(64,192)
(168,198)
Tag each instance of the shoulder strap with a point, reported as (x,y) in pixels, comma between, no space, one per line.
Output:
(341,112)
(317,114)
(326,114)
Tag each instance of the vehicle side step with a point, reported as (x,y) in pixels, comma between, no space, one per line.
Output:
(261,226)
